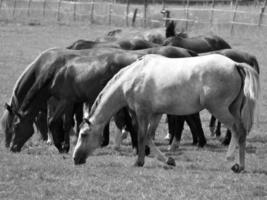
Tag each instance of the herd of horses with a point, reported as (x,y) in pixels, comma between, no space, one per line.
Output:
(134,81)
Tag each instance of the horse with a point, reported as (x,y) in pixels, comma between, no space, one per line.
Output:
(176,122)
(71,77)
(199,44)
(47,63)
(238,56)
(154,85)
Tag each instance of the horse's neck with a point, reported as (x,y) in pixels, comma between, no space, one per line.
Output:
(21,88)
(109,101)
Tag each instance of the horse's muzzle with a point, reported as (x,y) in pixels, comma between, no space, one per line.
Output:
(15,148)
(79,160)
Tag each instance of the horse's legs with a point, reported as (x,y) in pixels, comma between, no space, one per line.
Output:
(67,126)
(212,125)
(120,119)
(105,136)
(154,121)
(195,126)
(176,125)
(239,135)
(231,148)
(78,112)
(41,124)
(55,125)
(218,129)
(227,138)
(142,137)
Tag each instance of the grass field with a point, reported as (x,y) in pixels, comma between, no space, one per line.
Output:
(39,172)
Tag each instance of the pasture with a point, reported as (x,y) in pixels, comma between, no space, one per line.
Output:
(39,172)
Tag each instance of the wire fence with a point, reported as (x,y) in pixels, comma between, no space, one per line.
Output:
(187,13)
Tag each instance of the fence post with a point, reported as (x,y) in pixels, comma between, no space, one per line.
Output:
(127,12)
(14,7)
(163,4)
(187,15)
(212,12)
(134,16)
(44,6)
(29,7)
(262,12)
(92,11)
(234,16)
(74,10)
(145,12)
(110,14)
(1,1)
(58,10)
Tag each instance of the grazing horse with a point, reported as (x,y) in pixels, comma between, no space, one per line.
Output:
(45,65)
(237,56)
(154,85)
(71,77)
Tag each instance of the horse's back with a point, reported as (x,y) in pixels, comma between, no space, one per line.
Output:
(189,81)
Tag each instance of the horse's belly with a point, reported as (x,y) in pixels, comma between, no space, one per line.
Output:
(183,103)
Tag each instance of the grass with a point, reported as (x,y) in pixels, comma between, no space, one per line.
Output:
(39,172)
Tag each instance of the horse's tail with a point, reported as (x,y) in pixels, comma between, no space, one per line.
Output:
(38,89)
(255,64)
(251,91)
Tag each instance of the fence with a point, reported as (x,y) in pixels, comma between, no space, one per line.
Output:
(187,12)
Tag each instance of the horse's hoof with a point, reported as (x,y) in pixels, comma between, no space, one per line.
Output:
(147,150)
(202,143)
(167,137)
(139,163)
(218,134)
(171,161)
(49,142)
(212,130)
(226,141)
(65,148)
(237,168)
(116,148)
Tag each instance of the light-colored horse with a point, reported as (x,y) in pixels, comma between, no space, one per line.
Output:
(155,85)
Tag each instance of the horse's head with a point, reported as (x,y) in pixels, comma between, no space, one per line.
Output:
(90,138)
(17,128)
(170,29)
(7,123)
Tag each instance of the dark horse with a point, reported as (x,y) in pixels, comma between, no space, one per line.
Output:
(70,76)
(199,44)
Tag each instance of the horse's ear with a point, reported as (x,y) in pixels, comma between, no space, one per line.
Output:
(11,110)
(8,107)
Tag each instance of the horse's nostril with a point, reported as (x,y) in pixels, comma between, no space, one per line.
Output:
(15,148)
